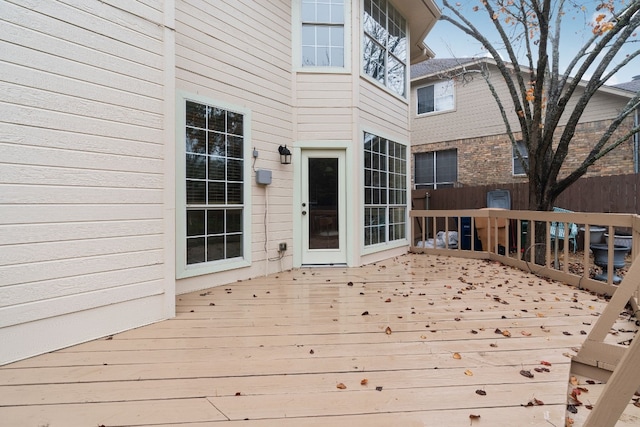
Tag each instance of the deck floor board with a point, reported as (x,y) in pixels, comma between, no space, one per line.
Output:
(272,351)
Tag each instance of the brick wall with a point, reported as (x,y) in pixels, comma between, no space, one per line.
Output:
(488,160)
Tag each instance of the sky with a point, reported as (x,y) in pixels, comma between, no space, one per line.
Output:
(447,41)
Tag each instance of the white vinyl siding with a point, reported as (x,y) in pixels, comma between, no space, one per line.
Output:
(82,157)
(237,56)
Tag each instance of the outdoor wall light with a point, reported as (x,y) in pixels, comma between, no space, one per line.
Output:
(285,155)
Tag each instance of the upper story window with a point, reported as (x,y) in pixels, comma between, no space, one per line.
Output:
(518,169)
(435,97)
(323,33)
(385,45)
(436,169)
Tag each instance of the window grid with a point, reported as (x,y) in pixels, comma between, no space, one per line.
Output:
(385,45)
(214,149)
(518,169)
(436,169)
(436,97)
(323,33)
(385,190)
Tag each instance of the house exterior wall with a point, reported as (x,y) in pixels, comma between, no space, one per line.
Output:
(81,173)
(92,153)
(488,160)
(246,63)
(476,130)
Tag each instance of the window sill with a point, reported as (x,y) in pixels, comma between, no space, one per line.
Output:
(212,267)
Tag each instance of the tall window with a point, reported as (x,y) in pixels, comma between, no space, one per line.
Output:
(436,169)
(435,97)
(518,169)
(385,45)
(323,33)
(385,190)
(214,175)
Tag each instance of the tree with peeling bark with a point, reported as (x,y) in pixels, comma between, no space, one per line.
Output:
(540,91)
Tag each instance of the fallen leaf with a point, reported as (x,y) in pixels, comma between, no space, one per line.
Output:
(589,407)
(506,334)
(569,422)
(526,333)
(387,331)
(311,351)
(387,300)
(379,388)
(364,382)
(538,402)
(526,373)
(474,417)
(341,386)
(457,356)
(468,373)
(573,380)
(481,392)
(545,363)
(365,313)
(566,333)
(494,345)
(238,394)
(572,409)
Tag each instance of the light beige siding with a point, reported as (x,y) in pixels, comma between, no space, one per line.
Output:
(81,171)
(380,109)
(324,106)
(239,53)
(476,112)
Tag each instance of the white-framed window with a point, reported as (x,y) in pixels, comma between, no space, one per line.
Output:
(518,169)
(213,190)
(323,33)
(385,190)
(436,169)
(436,97)
(385,45)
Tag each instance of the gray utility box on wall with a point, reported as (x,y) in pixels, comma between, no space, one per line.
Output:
(263,177)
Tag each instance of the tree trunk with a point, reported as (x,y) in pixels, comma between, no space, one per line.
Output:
(540,199)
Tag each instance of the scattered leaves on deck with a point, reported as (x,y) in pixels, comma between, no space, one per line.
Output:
(457,356)
(388,330)
(341,386)
(526,373)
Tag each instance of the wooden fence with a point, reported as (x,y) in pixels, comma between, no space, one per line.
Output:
(607,194)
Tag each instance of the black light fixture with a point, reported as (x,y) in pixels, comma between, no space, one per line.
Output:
(285,155)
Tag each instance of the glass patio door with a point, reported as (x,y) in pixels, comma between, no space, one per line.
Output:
(323,207)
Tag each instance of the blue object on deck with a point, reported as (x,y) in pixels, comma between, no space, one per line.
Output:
(465,235)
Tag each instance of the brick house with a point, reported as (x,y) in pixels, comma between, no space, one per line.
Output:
(458,136)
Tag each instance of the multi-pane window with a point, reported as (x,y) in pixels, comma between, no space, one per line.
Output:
(385,45)
(214,150)
(518,168)
(436,169)
(385,190)
(435,97)
(322,33)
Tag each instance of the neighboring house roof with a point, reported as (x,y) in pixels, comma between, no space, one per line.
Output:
(435,66)
(440,65)
(632,86)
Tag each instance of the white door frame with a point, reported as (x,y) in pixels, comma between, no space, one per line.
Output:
(348,182)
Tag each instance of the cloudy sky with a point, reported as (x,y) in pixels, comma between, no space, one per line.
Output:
(448,41)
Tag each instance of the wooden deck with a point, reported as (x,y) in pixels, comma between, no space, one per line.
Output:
(418,340)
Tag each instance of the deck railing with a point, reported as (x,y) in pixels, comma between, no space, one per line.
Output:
(506,236)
